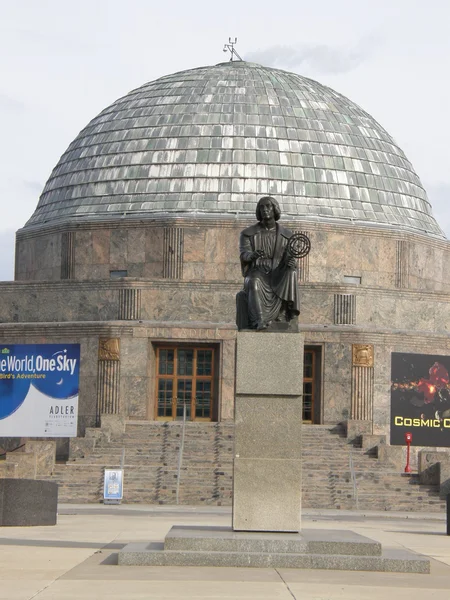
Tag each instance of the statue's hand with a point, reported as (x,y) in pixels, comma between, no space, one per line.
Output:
(257,254)
(291,262)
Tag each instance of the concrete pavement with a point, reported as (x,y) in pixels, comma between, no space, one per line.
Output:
(77,559)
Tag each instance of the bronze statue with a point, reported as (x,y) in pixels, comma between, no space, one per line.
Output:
(268,255)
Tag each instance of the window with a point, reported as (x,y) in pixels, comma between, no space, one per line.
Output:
(353,279)
(185,383)
(117,274)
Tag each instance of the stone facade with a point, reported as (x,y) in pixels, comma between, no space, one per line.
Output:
(383,259)
(182,277)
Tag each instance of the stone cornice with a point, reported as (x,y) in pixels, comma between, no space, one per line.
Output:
(229,221)
(210,331)
(9,287)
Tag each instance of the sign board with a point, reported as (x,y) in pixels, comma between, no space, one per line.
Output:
(113,486)
(39,386)
(420,399)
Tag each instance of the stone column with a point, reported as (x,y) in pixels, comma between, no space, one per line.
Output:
(68,255)
(129,304)
(362,382)
(173,253)
(108,385)
(268,425)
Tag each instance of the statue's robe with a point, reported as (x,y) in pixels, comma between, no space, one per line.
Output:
(270,285)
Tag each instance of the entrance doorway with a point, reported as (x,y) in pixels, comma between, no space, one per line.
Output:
(311,384)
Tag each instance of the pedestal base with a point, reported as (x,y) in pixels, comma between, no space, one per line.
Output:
(312,549)
(267,484)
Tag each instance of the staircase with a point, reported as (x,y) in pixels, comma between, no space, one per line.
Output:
(151,464)
(151,453)
(329,482)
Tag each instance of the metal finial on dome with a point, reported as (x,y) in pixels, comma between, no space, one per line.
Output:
(230,48)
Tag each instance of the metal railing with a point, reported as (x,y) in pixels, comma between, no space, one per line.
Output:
(180,454)
(353,476)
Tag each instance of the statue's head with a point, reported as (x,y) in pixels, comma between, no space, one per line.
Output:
(265,200)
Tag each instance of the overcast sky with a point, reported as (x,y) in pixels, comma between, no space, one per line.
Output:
(63,62)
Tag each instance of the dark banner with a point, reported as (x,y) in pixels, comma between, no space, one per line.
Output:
(420,399)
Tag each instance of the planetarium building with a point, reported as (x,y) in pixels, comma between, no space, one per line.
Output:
(132,254)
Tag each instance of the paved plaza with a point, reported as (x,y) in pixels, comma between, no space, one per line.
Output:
(77,558)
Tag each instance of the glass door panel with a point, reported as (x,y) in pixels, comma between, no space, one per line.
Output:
(308,401)
(204,362)
(165,394)
(184,397)
(203,400)
(308,365)
(166,362)
(185,361)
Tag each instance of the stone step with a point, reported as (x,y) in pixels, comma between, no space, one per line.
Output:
(152,454)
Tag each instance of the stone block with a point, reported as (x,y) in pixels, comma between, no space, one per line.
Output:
(392,560)
(391,456)
(8,470)
(269,363)
(112,425)
(134,356)
(370,442)
(227,399)
(267,427)
(94,433)
(25,463)
(429,466)
(267,495)
(118,248)
(44,452)
(355,429)
(310,541)
(136,245)
(194,244)
(27,502)
(81,446)
(100,246)
(444,477)
(134,396)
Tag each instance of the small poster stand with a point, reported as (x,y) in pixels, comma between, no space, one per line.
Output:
(113,486)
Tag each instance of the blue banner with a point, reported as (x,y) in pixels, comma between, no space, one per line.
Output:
(39,386)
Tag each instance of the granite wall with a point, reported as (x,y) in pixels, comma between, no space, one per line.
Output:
(207,251)
(214,303)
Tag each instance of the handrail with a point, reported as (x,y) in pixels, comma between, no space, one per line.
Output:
(180,455)
(353,476)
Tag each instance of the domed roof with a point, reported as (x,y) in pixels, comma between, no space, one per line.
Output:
(213,139)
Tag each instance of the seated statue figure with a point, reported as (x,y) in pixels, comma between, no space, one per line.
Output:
(270,291)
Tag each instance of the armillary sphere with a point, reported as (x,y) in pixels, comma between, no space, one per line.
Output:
(299,245)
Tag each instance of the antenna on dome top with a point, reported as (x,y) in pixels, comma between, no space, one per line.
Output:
(230,48)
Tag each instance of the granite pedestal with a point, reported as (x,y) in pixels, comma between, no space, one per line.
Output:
(268,426)
(311,549)
(27,502)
